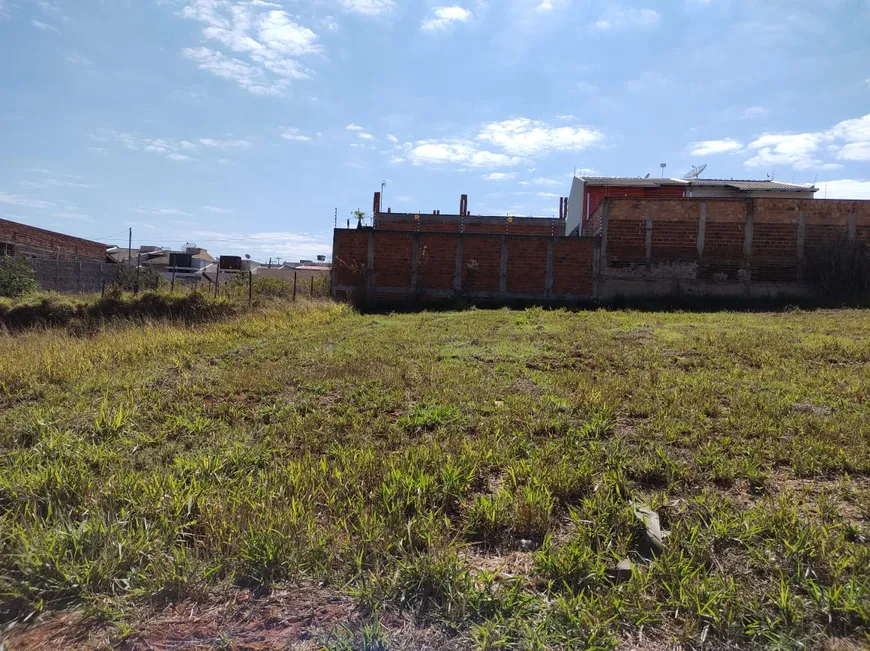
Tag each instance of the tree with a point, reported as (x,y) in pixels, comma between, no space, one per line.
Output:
(16,277)
(360,216)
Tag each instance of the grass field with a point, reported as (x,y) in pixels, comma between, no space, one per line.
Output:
(464,480)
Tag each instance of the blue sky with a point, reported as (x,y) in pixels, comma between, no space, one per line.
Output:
(242,125)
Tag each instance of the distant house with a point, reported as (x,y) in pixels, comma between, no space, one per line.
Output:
(191,263)
(587,192)
(23,240)
(303,270)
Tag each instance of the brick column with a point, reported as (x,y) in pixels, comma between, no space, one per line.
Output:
(702,229)
(801,244)
(502,283)
(457,272)
(649,230)
(747,238)
(415,262)
(548,279)
(370,261)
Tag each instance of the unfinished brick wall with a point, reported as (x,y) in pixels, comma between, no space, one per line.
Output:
(29,240)
(468,224)
(388,266)
(703,245)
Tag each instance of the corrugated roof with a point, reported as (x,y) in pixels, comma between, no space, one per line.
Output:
(623,181)
(770,185)
(740,184)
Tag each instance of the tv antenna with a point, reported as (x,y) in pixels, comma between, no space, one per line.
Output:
(663,166)
(647,175)
(695,173)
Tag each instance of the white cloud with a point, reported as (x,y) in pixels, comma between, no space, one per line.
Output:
(499,176)
(844,189)
(525,137)
(545,181)
(262,246)
(755,112)
(216,209)
(71,214)
(24,202)
(847,140)
(45,27)
(244,74)
(330,23)
(178,150)
(392,138)
(798,150)
(221,144)
(549,5)
(518,139)
(365,136)
(293,134)
(368,7)
(616,17)
(443,17)
(713,147)
(71,182)
(78,59)
(549,195)
(260,31)
(174,212)
(459,152)
(354,127)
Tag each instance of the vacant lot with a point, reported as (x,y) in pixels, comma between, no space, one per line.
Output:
(313,477)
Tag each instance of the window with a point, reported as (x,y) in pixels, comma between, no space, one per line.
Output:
(6,249)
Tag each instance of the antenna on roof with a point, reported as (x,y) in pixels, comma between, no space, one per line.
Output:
(695,173)
(663,166)
(647,175)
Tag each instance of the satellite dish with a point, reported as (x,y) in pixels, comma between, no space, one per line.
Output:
(247,256)
(647,175)
(695,173)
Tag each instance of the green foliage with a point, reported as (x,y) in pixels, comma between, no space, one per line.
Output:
(135,279)
(16,277)
(479,471)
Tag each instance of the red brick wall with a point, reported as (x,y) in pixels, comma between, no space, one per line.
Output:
(484,253)
(675,229)
(526,273)
(392,266)
(527,265)
(350,256)
(774,253)
(36,241)
(436,260)
(626,231)
(469,224)
(572,267)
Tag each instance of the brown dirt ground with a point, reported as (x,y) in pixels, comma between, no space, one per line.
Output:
(298,618)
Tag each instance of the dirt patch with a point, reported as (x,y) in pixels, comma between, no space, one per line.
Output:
(810,408)
(294,617)
(526,386)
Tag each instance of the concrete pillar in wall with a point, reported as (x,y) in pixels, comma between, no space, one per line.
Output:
(548,278)
(605,221)
(457,270)
(370,261)
(853,227)
(415,262)
(801,244)
(649,231)
(502,282)
(747,238)
(702,229)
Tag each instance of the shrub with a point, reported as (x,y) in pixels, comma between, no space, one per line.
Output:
(16,277)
